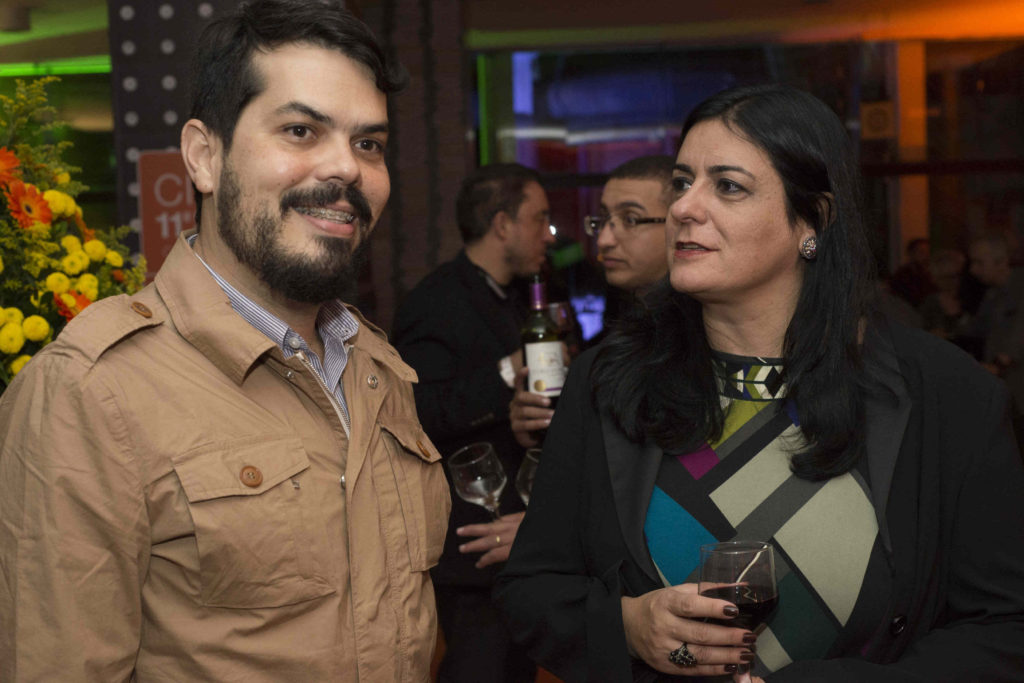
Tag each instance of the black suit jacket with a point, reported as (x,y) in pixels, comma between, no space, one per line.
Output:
(948,490)
(452,328)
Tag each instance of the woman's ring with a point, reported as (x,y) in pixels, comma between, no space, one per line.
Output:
(497,539)
(682,656)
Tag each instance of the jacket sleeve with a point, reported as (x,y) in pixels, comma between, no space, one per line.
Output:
(451,398)
(979,634)
(567,613)
(73,539)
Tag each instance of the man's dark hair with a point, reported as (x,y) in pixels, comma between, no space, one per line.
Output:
(653,167)
(487,192)
(224,79)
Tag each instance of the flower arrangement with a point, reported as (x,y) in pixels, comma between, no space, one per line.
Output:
(52,265)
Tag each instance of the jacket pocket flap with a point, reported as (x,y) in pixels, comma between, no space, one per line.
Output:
(412,437)
(239,468)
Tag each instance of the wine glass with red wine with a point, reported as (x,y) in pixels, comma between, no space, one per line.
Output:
(742,572)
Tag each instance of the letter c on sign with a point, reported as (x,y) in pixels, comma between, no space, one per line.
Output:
(174,192)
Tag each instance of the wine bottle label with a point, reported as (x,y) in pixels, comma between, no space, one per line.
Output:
(547,372)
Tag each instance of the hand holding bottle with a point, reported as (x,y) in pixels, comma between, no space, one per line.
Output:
(529,413)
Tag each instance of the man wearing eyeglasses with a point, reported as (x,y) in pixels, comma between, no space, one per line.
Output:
(630,228)
(630,233)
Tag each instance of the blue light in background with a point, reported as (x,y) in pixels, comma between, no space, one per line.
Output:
(522,82)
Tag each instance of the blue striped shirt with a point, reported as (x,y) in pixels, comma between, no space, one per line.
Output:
(335,325)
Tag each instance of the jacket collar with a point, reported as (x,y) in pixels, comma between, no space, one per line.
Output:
(491,308)
(886,414)
(633,468)
(202,314)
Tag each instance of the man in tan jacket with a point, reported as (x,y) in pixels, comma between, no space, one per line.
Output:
(223,477)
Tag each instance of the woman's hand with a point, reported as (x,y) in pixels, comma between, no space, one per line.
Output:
(494,538)
(658,622)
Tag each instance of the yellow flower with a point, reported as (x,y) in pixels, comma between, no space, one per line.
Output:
(18,363)
(61,204)
(35,328)
(71,243)
(89,285)
(1,264)
(68,300)
(58,283)
(12,315)
(95,249)
(74,263)
(63,178)
(114,259)
(11,338)
(87,280)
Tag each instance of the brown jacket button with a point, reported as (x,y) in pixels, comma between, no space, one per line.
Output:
(372,381)
(142,309)
(251,476)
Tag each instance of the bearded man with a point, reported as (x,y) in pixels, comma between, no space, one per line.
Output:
(223,477)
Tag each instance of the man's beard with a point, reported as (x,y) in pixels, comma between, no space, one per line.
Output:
(329,273)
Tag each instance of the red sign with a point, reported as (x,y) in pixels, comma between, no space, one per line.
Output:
(167,205)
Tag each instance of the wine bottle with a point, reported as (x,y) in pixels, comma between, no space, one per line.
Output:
(542,349)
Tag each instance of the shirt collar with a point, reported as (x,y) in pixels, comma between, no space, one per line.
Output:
(335,323)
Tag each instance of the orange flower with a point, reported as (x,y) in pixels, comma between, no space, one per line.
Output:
(117,274)
(8,162)
(70,303)
(27,204)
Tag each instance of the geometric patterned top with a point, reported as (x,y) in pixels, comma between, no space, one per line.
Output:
(831,571)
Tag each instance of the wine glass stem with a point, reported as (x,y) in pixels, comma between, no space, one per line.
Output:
(495,512)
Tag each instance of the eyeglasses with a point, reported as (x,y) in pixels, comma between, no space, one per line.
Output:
(592,225)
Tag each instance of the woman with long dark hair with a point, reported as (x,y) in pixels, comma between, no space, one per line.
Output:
(758,396)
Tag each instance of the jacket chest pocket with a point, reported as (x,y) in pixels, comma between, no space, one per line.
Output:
(422,488)
(252,528)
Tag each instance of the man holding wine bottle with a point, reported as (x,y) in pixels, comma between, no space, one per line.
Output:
(460,328)
(630,236)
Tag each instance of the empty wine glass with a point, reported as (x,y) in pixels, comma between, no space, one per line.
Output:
(527,471)
(478,476)
(742,572)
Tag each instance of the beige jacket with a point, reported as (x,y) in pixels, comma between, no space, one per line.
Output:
(178,502)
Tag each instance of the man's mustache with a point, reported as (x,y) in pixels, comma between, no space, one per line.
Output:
(326,194)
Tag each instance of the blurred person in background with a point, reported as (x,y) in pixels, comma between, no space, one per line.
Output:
(913,280)
(942,312)
(1000,319)
(460,329)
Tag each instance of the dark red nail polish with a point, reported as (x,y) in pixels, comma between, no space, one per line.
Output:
(731,611)
(747,656)
(749,638)
(730,668)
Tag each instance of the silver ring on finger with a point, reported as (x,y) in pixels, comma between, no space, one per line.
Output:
(682,656)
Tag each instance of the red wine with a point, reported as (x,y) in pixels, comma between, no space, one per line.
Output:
(755,603)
